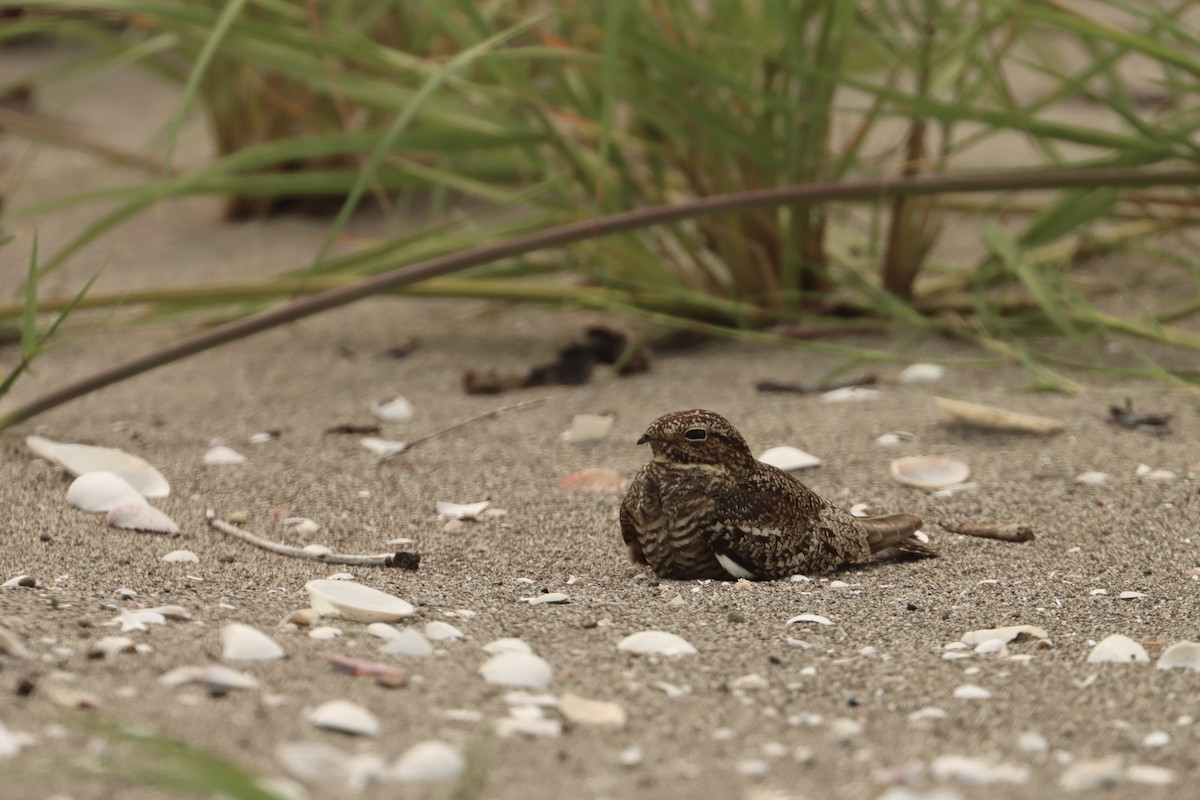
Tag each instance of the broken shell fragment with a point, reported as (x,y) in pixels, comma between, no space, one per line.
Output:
(101,490)
(588,428)
(655,643)
(506,645)
(922,373)
(447,510)
(181,557)
(930,472)
(523,670)
(356,602)
(582,711)
(382,447)
(397,409)
(815,618)
(959,412)
(438,631)
(1009,633)
(243,643)
(1091,478)
(789,459)
(215,677)
(428,762)
(346,717)
(79,459)
(596,479)
(222,455)
(1181,655)
(140,516)
(407,642)
(1117,649)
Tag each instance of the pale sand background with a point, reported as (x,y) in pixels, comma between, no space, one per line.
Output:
(1127,535)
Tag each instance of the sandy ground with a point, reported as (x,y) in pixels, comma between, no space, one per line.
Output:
(880,660)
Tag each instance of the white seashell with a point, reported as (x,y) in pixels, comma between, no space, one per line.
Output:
(317,763)
(1130,595)
(789,459)
(1149,775)
(815,618)
(1156,739)
(382,447)
(215,677)
(991,647)
(1160,475)
(1102,773)
(137,620)
(548,597)
(930,472)
(222,455)
(860,510)
(506,646)
(631,756)
(1117,649)
(655,643)
(1181,655)
(20,581)
(324,632)
(344,716)
(140,516)
(521,698)
(1091,478)
(964,769)
(595,479)
(517,669)
(263,437)
(109,646)
(1032,742)
(439,631)
(397,409)
(752,767)
(243,643)
(750,683)
(171,612)
(849,394)
(181,557)
(430,761)
(969,691)
(407,642)
(101,490)
(843,729)
(922,373)
(926,713)
(383,630)
(588,428)
(301,525)
(356,602)
(582,711)
(516,726)
(461,510)
(1008,633)
(992,418)
(12,741)
(79,459)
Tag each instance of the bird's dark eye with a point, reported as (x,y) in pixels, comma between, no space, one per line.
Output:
(696,434)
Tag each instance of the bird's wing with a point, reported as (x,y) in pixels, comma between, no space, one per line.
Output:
(774,526)
(634,498)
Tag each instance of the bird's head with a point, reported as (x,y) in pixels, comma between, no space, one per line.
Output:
(697,437)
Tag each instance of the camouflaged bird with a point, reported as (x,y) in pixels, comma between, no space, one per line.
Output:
(704,507)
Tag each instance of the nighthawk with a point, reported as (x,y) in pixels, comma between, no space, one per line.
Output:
(704,507)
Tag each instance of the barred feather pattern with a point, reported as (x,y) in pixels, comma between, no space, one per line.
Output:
(703,507)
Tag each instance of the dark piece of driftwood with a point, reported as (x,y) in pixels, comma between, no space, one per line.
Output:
(1012,532)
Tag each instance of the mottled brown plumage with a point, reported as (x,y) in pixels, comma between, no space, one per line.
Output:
(704,507)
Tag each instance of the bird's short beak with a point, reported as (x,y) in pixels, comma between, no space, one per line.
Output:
(645,438)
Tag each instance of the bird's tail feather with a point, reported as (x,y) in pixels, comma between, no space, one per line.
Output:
(894,530)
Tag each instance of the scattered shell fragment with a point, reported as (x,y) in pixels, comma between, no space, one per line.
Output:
(221,455)
(631,756)
(1152,474)
(1032,742)
(140,516)
(1181,655)
(965,769)
(1156,739)
(319,764)
(79,459)
(588,428)
(1008,633)
(926,713)
(382,447)
(1130,595)
(517,669)
(354,601)
(507,645)
(894,438)
(789,459)
(969,691)
(998,419)
(301,525)
(655,643)
(749,683)
(595,479)
(438,631)
(847,394)
(407,642)
(21,582)
(430,761)
(241,642)
(1149,775)
(582,711)
(181,557)
(109,646)
(546,598)
(1117,649)
(518,726)
(398,409)
(137,619)
(922,373)
(813,618)
(325,632)
(215,677)
(346,717)
(1092,774)
(1091,478)
(97,492)
(930,472)
(461,510)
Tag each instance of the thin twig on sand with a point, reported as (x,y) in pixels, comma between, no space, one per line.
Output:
(1012,532)
(495,412)
(401,559)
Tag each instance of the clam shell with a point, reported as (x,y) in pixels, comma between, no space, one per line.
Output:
(243,643)
(439,631)
(815,618)
(356,602)
(344,716)
(1009,633)
(930,472)
(655,643)
(523,670)
(1181,655)
(407,642)
(140,516)
(101,490)
(789,459)
(547,598)
(588,428)
(222,455)
(595,479)
(582,711)
(181,557)
(1117,649)
(506,645)
(430,761)
(79,459)
(397,409)
(997,419)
